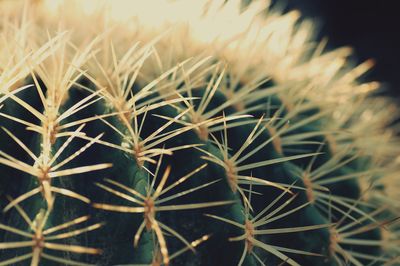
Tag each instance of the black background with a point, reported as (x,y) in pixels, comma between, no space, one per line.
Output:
(371,27)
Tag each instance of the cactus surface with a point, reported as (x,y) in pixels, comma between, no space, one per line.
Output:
(189,133)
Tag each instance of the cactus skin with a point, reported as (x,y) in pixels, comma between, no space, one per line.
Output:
(245,151)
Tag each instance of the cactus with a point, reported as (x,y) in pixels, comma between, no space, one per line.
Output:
(193,133)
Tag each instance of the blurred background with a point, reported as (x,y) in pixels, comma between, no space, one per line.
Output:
(371,27)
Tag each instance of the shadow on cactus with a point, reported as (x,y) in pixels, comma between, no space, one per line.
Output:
(196,133)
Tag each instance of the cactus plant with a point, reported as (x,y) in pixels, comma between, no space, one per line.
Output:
(189,133)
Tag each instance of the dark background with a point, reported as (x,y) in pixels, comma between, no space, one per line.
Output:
(371,27)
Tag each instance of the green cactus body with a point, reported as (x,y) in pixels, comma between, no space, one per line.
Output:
(164,142)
